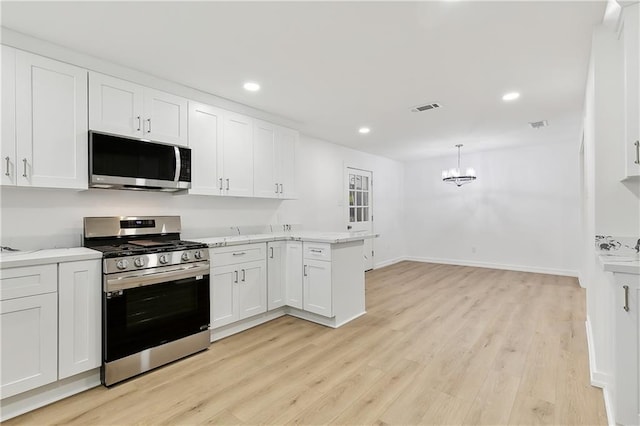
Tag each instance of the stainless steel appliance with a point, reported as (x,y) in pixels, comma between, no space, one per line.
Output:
(117,162)
(155,306)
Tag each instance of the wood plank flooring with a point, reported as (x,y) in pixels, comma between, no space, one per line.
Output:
(440,344)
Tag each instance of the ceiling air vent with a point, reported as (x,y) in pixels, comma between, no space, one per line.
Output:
(425,107)
(538,124)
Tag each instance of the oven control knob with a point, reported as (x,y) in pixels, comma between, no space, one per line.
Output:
(139,262)
(186,256)
(164,259)
(198,254)
(122,264)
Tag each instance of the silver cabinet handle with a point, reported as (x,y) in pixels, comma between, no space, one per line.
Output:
(24,163)
(220,184)
(276,185)
(236,279)
(149,128)
(281,188)
(239,253)
(637,145)
(139,123)
(8,164)
(244,275)
(271,249)
(227,184)
(304,272)
(626,298)
(315,251)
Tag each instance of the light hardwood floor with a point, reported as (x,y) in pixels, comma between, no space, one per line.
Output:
(439,345)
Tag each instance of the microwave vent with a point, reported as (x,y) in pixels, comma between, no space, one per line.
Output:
(425,107)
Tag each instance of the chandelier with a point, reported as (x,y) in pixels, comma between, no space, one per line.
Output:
(456,176)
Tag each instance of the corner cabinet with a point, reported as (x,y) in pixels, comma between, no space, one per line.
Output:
(284,274)
(627,352)
(274,160)
(631,40)
(128,109)
(44,120)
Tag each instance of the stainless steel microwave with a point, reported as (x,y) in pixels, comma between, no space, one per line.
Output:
(118,162)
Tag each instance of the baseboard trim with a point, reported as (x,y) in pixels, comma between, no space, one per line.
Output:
(608,406)
(389,262)
(519,268)
(242,325)
(598,379)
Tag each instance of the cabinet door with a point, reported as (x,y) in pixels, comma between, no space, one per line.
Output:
(317,287)
(265,183)
(252,285)
(276,274)
(29,339)
(293,274)
(237,155)
(79,316)
(115,105)
(224,295)
(286,159)
(165,117)
(631,38)
(205,138)
(51,123)
(8,142)
(627,339)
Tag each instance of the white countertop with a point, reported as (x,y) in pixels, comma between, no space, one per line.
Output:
(316,237)
(42,257)
(620,264)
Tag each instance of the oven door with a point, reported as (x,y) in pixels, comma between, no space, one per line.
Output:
(150,315)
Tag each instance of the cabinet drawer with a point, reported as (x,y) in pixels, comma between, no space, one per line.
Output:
(222,256)
(318,251)
(28,281)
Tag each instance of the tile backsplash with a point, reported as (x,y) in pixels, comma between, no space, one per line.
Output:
(617,246)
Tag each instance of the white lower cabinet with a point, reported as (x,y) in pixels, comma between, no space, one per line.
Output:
(316,287)
(238,283)
(627,352)
(293,274)
(51,323)
(29,343)
(79,302)
(276,274)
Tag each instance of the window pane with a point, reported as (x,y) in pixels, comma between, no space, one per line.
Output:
(359,215)
(365,214)
(358,198)
(352,181)
(352,214)
(365,182)
(365,199)
(352,198)
(358,182)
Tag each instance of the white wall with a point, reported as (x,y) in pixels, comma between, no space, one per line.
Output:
(42,218)
(522,212)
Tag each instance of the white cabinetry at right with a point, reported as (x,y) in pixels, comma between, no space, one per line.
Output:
(274,160)
(630,37)
(627,353)
(333,283)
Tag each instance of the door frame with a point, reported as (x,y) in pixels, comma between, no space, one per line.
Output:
(345,186)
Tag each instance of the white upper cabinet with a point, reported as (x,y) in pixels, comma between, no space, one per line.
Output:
(50,135)
(205,140)
(274,160)
(128,109)
(8,147)
(631,40)
(237,155)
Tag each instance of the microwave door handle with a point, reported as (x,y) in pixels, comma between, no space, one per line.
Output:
(178,163)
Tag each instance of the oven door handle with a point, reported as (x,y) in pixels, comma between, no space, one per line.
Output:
(132,281)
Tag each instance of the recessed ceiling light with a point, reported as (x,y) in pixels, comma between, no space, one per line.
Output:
(364,130)
(511,96)
(251,86)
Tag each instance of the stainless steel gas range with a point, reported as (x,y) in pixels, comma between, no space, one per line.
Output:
(155,305)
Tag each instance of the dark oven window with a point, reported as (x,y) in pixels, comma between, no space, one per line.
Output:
(115,156)
(148,316)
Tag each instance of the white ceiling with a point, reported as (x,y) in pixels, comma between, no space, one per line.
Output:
(336,66)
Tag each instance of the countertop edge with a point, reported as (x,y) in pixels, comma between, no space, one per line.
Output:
(48,256)
(616,266)
(213,242)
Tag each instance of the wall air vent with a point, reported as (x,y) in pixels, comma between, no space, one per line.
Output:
(425,107)
(538,124)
